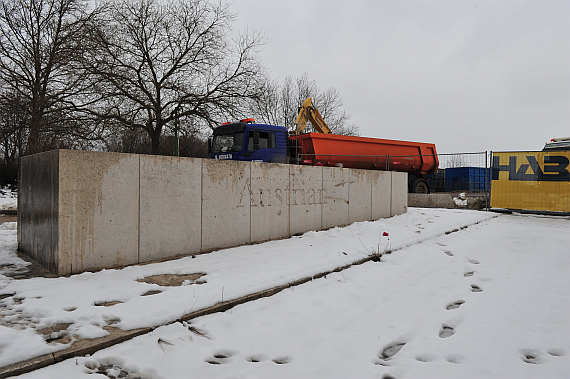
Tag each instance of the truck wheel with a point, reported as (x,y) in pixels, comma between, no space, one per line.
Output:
(420,186)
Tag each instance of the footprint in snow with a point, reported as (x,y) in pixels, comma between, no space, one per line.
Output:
(556,352)
(454,305)
(426,357)
(449,253)
(476,288)
(446,331)
(532,356)
(468,273)
(390,350)
(256,358)
(455,358)
(113,368)
(473,261)
(221,357)
(282,360)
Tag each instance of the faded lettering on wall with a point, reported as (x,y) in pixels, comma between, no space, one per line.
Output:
(265,197)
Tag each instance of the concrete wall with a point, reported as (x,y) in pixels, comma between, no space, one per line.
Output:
(269,204)
(169,228)
(447,200)
(98,210)
(81,211)
(336,182)
(38,208)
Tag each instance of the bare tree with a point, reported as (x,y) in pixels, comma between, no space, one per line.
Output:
(280,104)
(39,42)
(454,161)
(159,61)
(13,127)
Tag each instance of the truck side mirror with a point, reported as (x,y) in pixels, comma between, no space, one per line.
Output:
(255,141)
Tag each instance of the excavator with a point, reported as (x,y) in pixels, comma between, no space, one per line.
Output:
(307,112)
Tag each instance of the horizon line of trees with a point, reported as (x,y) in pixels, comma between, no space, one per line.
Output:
(123,74)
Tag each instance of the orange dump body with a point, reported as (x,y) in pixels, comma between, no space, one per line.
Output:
(367,153)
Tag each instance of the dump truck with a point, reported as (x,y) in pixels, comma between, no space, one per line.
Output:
(246,140)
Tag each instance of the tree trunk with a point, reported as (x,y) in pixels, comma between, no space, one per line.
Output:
(155,143)
(34,137)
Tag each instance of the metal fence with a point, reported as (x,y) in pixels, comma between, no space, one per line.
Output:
(460,172)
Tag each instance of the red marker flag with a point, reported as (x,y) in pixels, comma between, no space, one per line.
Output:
(385,234)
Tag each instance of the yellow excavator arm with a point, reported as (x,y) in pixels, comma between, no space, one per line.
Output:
(309,113)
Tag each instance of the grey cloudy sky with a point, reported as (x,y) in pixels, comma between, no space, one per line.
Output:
(467,75)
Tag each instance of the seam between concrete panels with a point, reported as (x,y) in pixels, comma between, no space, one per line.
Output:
(201,188)
(349,179)
(287,202)
(139,216)
(390,172)
(321,199)
(201,204)
(371,189)
(250,201)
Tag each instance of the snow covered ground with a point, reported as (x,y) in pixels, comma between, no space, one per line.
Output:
(8,199)
(490,300)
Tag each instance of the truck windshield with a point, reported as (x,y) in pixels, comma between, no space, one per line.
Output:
(227,142)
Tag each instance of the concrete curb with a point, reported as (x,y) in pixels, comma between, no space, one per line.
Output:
(116,336)
(78,348)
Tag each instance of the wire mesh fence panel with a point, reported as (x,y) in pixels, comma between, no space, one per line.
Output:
(460,172)
(467,172)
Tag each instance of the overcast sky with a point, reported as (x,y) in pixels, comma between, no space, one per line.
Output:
(466,75)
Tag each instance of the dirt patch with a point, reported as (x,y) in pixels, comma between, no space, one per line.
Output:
(173,280)
(56,333)
(8,217)
(152,292)
(31,269)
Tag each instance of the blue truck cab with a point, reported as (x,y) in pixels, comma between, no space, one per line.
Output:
(247,141)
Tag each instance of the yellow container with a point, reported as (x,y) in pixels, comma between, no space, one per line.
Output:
(531,180)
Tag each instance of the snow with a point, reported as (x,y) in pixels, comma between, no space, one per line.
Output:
(8,199)
(503,278)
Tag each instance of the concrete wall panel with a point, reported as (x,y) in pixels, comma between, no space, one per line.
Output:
(305,198)
(226,203)
(335,196)
(38,208)
(399,193)
(360,195)
(170,207)
(269,207)
(99,210)
(381,194)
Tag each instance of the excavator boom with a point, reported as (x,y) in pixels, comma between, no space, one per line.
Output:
(309,113)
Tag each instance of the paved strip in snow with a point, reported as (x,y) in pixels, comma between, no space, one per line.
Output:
(34,304)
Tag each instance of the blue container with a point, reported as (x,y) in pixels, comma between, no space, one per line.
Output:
(471,179)
(437,181)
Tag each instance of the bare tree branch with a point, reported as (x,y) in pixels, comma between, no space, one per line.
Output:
(160,61)
(39,42)
(279,105)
